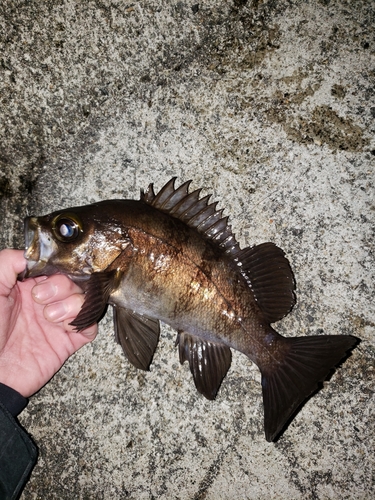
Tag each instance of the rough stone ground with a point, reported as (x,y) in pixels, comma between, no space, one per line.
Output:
(270,106)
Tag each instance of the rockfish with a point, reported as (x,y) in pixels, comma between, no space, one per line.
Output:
(172,257)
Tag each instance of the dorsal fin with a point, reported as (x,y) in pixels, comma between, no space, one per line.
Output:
(196,212)
(268,274)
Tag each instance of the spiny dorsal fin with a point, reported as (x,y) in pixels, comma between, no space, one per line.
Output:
(196,212)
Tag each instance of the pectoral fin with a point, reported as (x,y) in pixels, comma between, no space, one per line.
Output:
(97,291)
(137,334)
(209,362)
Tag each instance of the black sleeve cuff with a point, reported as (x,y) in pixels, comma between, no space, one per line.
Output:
(18,455)
(13,401)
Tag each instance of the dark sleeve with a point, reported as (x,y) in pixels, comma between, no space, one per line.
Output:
(18,453)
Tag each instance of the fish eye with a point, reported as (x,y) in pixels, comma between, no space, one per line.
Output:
(66,227)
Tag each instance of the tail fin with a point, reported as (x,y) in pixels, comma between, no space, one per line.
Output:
(287,383)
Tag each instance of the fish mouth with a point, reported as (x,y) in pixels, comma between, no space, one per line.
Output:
(30,231)
(38,249)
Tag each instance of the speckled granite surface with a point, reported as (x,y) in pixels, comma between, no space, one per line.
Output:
(271,107)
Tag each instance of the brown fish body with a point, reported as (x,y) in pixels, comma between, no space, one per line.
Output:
(175,275)
(172,257)
(171,273)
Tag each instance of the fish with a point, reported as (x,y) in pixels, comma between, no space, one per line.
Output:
(172,257)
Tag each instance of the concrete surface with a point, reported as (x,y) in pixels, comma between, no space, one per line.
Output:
(270,106)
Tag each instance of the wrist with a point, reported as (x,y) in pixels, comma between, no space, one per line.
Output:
(6,377)
(10,377)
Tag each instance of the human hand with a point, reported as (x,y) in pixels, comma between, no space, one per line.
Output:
(35,336)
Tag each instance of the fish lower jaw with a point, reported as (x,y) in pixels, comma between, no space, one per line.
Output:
(78,278)
(35,268)
(31,264)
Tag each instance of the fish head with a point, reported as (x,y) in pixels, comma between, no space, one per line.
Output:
(76,242)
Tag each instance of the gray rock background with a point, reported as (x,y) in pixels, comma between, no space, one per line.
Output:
(270,106)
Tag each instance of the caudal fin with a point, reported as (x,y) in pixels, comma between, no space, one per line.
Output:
(287,383)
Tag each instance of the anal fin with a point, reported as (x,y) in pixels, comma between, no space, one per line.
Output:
(137,334)
(209,362)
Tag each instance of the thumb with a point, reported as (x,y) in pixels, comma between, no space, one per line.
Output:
(12,262)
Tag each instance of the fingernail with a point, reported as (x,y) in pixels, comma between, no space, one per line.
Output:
(44,291)
(55,312)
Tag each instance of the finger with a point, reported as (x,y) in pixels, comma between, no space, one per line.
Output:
(66,309)
(12,262)
(54,288)
(65,312)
